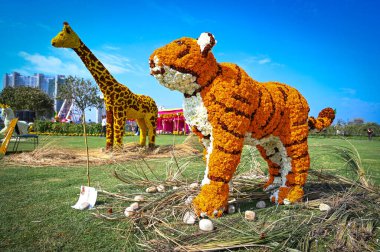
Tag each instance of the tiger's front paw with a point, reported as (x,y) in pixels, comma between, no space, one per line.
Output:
(212,200)
(287,195)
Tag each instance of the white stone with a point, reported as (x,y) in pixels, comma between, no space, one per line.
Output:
(232,200)
(250,215)
(151,189)
(161,188)
(189,200)
(287,202)
(231,209)
(260,204)
(138,198)
(324,207)
(129,212)
(189,218)
(193,185)
(134,206)
(175,187)
(206,225)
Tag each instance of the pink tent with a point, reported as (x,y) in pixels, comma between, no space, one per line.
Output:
(172,121)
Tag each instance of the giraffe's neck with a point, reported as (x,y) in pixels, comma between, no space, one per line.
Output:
(102,76)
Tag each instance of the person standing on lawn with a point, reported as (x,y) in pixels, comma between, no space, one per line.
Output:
(370,133)
(104,126)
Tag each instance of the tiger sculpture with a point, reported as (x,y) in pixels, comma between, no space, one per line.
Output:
(227,109)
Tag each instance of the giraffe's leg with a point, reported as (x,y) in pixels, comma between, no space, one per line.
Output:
(151,122)
(223,156)
(119,125)
(143,131)
(109,129)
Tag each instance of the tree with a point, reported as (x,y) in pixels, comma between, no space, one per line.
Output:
(83,92)
(28,98)
(85,96)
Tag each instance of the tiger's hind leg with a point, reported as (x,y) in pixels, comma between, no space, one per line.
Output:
(274,153)
(297,151)
(288,164)
(274,174)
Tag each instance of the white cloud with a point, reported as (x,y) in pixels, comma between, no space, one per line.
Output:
(115,63)
(66,61)
(37,63)
(348,91)
(111,48)
(264,61)
(259,59)
(44,27)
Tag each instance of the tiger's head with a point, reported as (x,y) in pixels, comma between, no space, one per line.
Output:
(186,64)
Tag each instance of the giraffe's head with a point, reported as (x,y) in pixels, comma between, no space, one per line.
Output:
(66,38)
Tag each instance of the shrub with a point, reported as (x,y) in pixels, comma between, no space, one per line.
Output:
(59,128)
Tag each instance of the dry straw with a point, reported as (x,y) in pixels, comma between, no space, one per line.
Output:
(352,224)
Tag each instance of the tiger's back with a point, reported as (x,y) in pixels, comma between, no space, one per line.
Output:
(264,107)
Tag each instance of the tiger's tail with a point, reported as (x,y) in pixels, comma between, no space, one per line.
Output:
(324,119)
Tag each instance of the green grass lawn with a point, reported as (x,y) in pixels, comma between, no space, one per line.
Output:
(35,212)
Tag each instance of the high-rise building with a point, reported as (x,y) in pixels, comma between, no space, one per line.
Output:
(48,84)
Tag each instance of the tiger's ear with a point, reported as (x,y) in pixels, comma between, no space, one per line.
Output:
(206,41)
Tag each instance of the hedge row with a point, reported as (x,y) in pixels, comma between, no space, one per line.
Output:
(65,128)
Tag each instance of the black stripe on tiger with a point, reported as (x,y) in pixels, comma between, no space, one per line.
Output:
(278,123)
(234,152)
(258,106)
(272,112)
(311,122)
(295,124)
(234,110)
(300,99)
(184,70)
(225,128)
(295,174)
(238,79)
(298,173)
(301,156)
(284,94)
(285,97)
(241,99)
(296,142)
(184,52)
(217,179)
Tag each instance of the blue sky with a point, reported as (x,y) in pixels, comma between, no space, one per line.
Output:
(329,50)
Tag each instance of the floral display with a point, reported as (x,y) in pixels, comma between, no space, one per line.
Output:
(121,103)
(227,109)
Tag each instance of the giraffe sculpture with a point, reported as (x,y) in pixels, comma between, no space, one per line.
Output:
(121,103)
